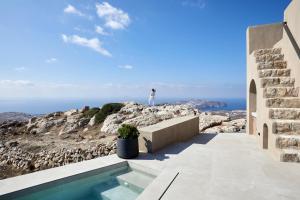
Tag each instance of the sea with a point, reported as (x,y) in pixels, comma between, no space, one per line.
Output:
(43,106)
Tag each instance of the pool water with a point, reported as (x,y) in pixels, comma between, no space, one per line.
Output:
(123,183)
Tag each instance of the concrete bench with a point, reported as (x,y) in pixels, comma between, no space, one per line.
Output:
(158,136)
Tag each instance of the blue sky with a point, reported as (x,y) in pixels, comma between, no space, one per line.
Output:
(122,48)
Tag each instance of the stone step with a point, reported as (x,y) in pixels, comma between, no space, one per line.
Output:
(283,103)
(277,92)
(269,58)
(289,114)
(260,52)
(136,178)
(286,127)
(288,142)
(117,193)
(274,73)
(277,82)
(272,65)
(289,155)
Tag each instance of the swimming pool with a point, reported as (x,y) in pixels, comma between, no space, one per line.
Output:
(121,183)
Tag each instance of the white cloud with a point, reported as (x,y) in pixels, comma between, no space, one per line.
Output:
(114,18)
(20,69)
(51,60)
(72,10)
(100,30)
(194,3)
(126,66)
(92,43)
(82,30)
(78,29)
(14,83)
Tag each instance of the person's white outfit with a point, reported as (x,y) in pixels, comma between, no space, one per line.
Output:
(151,98)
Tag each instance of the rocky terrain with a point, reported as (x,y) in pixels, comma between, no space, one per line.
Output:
(61,138)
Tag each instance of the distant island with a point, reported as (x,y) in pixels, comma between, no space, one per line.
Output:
(201,104)
(18,116)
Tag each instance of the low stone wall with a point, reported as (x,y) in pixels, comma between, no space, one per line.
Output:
(158,136)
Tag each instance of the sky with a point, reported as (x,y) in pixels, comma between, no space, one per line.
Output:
(63,49)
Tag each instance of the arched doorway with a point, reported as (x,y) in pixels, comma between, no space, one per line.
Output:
(252,108)
(265,136)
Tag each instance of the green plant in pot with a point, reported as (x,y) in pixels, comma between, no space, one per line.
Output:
(127,144)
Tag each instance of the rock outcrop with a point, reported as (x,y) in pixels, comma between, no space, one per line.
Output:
(140,115)
(208,120)
(233,126)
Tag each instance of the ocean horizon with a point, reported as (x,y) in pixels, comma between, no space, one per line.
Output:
(43,106)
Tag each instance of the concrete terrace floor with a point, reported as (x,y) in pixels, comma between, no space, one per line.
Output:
(211,166)
(224,166)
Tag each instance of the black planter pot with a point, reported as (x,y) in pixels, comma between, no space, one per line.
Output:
(127,148)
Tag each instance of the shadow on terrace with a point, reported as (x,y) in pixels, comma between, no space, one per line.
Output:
(177,148)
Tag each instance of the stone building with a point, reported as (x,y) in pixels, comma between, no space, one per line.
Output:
(273,81)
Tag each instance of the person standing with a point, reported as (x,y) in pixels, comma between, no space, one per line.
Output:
(152,97)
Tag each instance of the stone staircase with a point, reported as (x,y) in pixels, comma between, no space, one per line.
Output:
(282,99)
